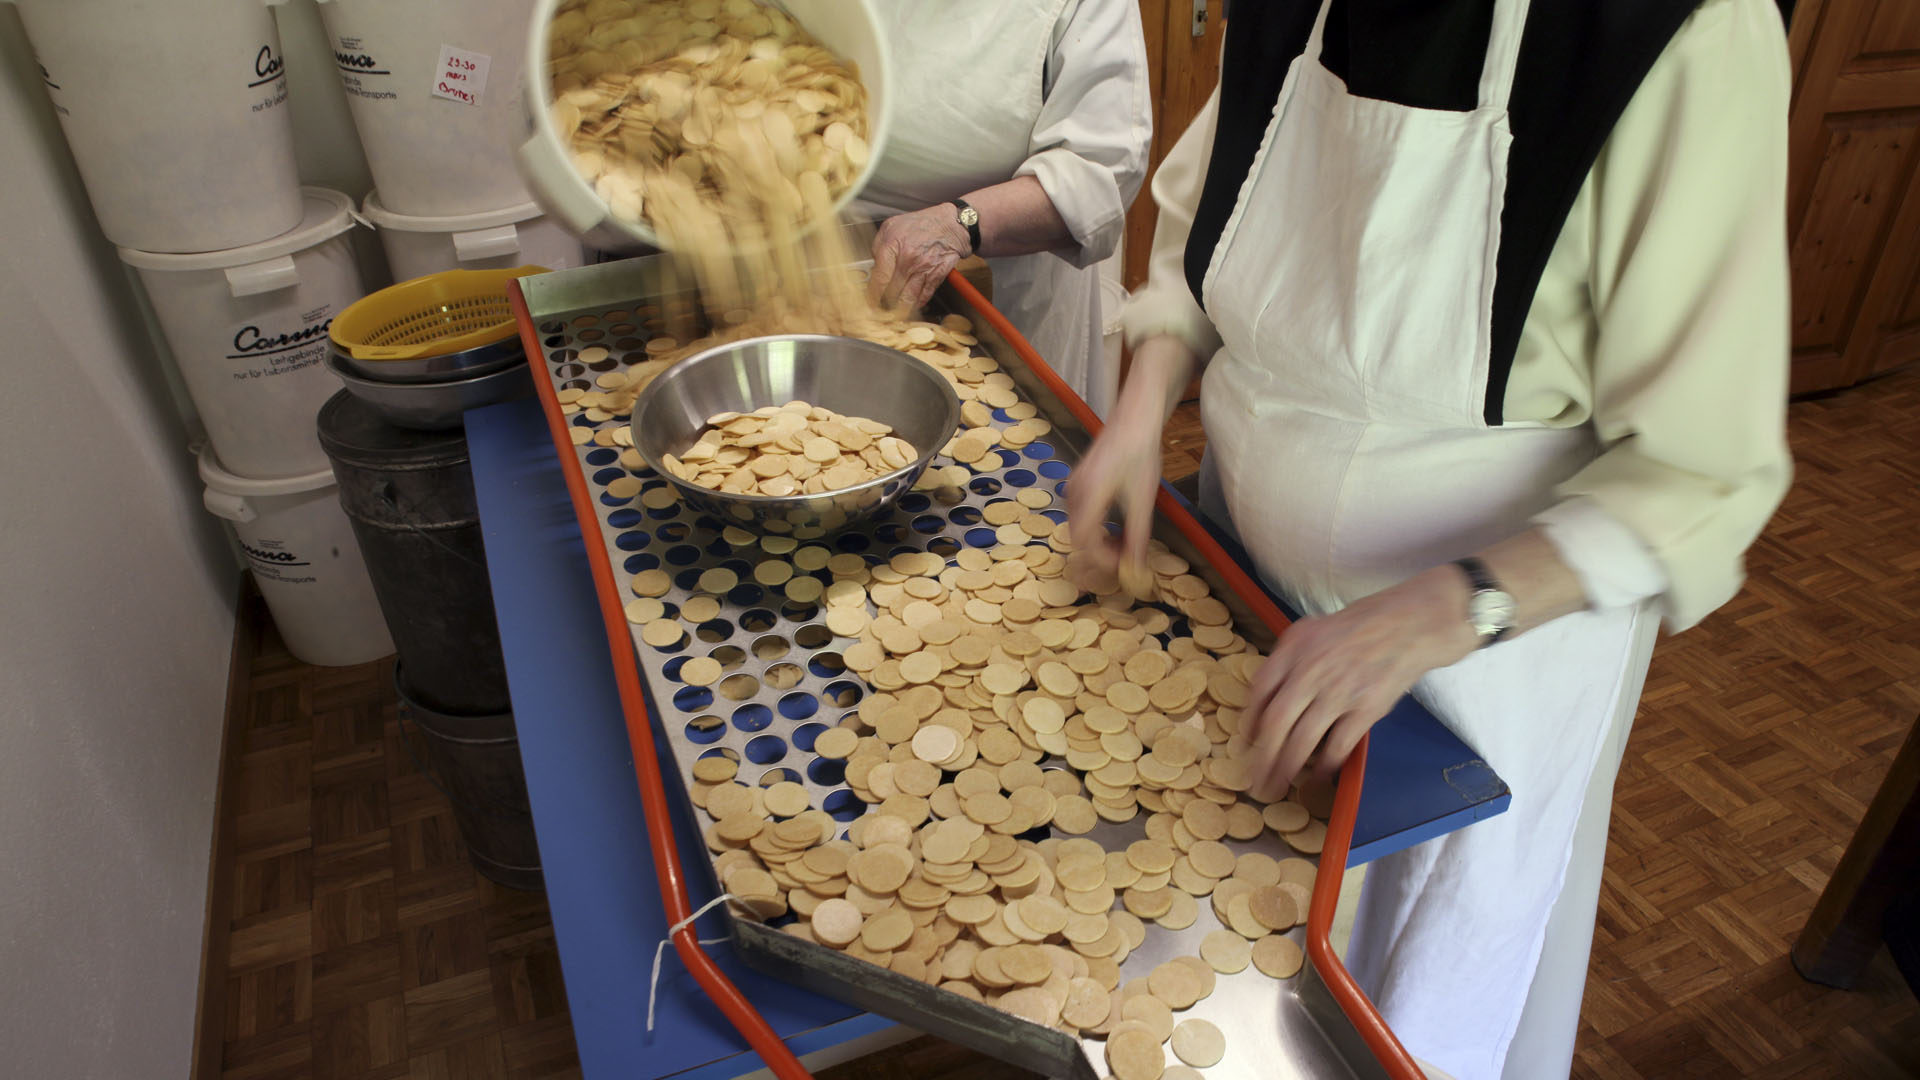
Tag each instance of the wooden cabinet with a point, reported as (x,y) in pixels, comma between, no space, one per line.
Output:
(1853,202)
(1183,69)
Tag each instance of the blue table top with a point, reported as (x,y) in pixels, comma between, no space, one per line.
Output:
(1421,781)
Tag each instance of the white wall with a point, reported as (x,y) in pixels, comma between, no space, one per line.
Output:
(116,619)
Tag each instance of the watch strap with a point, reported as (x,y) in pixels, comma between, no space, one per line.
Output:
(1481,580)
(960,208)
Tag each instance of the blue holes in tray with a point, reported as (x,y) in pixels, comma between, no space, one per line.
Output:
(782,775)
(753,716)
(714,631)
(746,595)
(677,647)
(675,532)
(813,637)
(827,772)
(603,455)
(645,560)
(691,699)
(663,513)
(632,541)
(964,516)
(718,547)
(1002,416)
(1055,516)
(682,554)
(739,686)
(1010,458)
(981,537)
(1054,469)
(741,568)
(929,524)
(772,647)
(804,735)
(1021,478)
(852,542)
(843,805)
(709,523)
(914,502)
(844,694)
(984,485)
(756,621)
(827,665)
(944,546)
(892,532)
(1038,451)
(1060,489)
(687,580)
(799,613)
(705,729)
(729,656)
(766,749)
(604,477)
(799,705)
(625,519)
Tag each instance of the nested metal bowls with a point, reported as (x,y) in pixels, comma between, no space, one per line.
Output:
(847,375)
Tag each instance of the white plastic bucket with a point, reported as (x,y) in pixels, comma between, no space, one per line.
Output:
(248,329)
(300,546)
(432,88)
(176,111)
(494,240)
(847,27)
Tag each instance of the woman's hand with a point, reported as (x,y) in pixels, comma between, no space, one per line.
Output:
(1122,468)
(912,254)
(1331,678)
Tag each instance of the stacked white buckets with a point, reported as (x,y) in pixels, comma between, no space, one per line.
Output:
(177,115)
(432,86)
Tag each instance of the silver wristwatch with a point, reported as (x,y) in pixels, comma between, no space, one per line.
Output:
(1490,608)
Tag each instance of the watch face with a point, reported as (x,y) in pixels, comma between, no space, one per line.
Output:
(969,216)
(1490,611)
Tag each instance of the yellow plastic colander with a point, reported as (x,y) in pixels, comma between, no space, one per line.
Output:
(434,315)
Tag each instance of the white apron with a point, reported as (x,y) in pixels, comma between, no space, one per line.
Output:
(967,88)
(1352,288)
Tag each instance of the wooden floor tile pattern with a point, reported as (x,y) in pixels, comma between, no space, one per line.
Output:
(364,945)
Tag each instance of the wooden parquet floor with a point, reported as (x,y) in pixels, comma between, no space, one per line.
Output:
(364,945)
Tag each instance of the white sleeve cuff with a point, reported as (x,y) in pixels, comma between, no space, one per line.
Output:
(1087,198)
(1615,567)
(1167,307)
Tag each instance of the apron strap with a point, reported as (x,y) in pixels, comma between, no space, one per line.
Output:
(1503,52)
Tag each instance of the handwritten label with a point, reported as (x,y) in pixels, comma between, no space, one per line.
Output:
(461,76)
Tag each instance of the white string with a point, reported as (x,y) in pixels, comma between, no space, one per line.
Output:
(653,985)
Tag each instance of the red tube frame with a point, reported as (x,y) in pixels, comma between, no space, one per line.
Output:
(740,1012)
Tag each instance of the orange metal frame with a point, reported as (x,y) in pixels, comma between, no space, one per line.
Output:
(653,793)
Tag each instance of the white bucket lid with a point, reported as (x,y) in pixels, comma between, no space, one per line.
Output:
(217,478)
(383,218)
(325,215)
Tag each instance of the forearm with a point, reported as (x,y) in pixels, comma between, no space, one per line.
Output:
(1018,218)
(1528,568)
(1161,368)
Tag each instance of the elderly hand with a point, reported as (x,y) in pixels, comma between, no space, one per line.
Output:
(1333,677)
(912,255)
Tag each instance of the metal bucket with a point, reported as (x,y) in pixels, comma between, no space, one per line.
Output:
(409,495)
(475,762)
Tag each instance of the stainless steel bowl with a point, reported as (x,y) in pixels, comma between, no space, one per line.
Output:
(435,406)
(850,376)
(465,364)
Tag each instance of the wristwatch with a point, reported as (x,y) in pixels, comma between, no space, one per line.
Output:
(1490,609)
(971,219)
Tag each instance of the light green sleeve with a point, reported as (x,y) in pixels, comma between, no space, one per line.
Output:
(1165,305)
(1690,291)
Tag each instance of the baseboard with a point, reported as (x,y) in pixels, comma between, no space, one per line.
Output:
(216,934)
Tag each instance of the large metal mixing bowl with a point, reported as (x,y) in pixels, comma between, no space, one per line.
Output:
(847,375)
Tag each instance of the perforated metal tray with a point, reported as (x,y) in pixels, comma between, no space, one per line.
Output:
(785,682)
